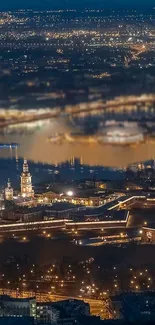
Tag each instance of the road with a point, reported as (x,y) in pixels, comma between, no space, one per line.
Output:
(97,307)
(101,106)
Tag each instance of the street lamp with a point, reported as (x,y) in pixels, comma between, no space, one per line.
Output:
(70,193)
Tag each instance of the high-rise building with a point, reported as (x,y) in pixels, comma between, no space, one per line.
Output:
(26,182)
(9,192)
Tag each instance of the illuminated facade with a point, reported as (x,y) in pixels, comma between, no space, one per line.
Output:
(9,192)
(26,182)
(2,204)
(148,234)
(123,134)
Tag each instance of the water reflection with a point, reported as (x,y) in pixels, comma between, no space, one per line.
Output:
(35,147)
(74,169)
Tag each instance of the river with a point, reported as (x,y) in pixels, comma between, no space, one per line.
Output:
(35,147)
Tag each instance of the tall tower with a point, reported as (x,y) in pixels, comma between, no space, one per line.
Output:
(26,182)
(9,192)
(72,161)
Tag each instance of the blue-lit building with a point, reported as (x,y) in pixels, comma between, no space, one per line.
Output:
(134,306)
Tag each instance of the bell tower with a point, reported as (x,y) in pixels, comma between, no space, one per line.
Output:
(9,192)
(26,182)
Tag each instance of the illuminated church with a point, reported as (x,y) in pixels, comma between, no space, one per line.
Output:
(9,192)
(26,182)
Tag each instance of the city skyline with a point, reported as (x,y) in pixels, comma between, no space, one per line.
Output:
(77,161)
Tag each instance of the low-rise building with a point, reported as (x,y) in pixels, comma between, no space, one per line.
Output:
(15,307)
(63,312)
(134,306)
(23,320)
(85,200)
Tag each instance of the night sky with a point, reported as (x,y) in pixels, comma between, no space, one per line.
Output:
(77,3)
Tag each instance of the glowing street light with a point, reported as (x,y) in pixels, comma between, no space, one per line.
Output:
(70,193)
